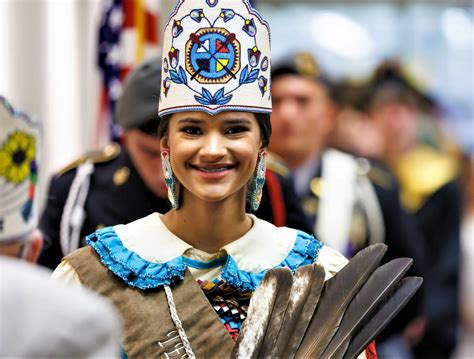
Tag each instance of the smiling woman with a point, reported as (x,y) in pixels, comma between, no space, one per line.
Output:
(183,280)
(213,158)
(234,127)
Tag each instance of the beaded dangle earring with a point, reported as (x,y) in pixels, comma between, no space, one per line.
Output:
(259,180)
(169,180)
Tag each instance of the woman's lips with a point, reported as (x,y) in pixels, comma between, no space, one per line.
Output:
(213,171)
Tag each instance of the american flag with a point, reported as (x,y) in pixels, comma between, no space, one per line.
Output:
(128,35)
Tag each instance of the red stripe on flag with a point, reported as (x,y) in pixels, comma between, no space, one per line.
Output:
(151,24)
(129,13)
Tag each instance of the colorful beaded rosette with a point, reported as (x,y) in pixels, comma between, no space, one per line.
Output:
(19,151)
(215,58)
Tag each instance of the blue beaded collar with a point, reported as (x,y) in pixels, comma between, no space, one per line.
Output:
(140,273)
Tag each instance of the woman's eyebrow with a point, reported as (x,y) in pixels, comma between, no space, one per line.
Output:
(192,121)
(237,121)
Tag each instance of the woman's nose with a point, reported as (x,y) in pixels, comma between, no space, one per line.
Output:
(213,145)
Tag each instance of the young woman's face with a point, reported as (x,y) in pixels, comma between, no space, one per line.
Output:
(213,157)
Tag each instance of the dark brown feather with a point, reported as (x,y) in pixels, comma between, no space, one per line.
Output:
(377,287)
(386,311)
(336,296)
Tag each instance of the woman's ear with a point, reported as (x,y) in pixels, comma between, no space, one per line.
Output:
(164,144)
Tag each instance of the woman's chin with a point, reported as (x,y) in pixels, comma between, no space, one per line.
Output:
(214,195)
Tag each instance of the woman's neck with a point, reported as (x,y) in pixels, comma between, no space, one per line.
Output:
(209,226)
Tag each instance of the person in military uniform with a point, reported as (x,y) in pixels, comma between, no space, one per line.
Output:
(353,201)
(428,173)
(352,120)
(365,196)
(123,183)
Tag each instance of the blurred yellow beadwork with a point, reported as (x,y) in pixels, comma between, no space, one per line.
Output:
(16,155)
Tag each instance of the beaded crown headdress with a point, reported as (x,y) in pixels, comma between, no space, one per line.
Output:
(19,162)
(216,57)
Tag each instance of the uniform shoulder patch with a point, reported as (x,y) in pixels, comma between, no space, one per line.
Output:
(277,164)
(106,154)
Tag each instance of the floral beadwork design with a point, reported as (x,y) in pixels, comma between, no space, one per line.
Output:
(16,157)
(213,55)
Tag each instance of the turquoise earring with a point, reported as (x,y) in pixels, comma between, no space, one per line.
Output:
(259,180)
(169,180)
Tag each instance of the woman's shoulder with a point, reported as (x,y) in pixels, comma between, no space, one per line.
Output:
(142,253)
(148,237)
(292,248)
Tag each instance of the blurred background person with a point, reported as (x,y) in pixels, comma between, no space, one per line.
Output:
(304,120)
(357,133)
(39,318)
(115,185)
(123,183)
(354,131)
(353,201)
(20,148)
(428,177)
(44,319)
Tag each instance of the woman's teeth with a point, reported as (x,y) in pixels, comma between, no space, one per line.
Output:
(214,170)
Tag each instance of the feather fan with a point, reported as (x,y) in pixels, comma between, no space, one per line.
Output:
(336,296)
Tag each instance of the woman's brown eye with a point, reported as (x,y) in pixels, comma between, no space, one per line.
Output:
(235,130)
(191,130)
